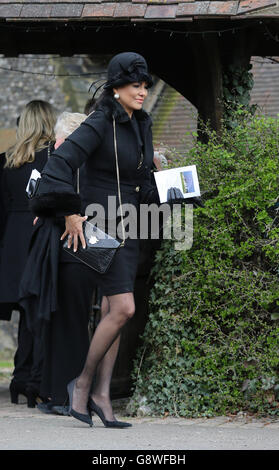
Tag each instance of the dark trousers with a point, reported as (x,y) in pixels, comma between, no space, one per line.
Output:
(28,359)
(66,335)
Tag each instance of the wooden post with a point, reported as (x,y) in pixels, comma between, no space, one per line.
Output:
(208,79)
(241,47)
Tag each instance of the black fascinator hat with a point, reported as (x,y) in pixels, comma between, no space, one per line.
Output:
(127,67)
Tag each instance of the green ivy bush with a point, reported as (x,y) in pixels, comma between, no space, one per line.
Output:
(211,345)
(238,83)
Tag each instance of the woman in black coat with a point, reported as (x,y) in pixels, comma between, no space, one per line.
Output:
(92,146)
(34,142)
(65,332)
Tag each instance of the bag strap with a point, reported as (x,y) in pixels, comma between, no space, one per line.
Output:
(118,183)
(78,180)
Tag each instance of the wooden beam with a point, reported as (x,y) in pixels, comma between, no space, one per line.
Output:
(208,79)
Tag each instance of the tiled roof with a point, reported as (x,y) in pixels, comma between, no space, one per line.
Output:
(266,85)
(135,10)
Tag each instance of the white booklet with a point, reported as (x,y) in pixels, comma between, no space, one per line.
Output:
(184,178)
(35,174)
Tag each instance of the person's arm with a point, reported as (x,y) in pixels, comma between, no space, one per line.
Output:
(149,192)
(56,195)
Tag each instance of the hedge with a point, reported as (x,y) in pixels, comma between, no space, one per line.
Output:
(211,344)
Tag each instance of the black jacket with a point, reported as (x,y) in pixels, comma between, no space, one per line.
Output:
(16,230)
(92,147)
(2,206)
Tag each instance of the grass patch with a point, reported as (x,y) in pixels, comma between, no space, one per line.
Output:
(6,365)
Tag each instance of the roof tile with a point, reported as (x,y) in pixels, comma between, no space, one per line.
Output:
(193,8)
(85,1)
(102,10)
(223,8)
(29,2)
(10,11)
(65,10)
(157,2)
(272,12)
(160,11)
(36,11)
(129,10)
(72,2)
(251,5)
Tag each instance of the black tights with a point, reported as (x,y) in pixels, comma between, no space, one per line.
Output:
(116,311)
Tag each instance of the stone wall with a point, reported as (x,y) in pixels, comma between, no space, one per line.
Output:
(19,88)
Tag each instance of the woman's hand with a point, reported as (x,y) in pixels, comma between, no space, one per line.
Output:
(74,230)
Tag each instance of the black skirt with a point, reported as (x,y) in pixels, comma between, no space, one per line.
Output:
(121,275)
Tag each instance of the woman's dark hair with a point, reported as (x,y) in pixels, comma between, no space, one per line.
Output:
(105,94)
(88,108)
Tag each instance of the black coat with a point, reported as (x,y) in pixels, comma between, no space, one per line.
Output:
(92,145)
(91,148)
(16,231)
(2,207)
(38,286)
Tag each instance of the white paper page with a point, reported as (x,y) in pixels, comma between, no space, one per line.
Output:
(184,178)
(35,174)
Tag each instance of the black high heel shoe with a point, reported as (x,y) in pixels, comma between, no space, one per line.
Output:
(17,388)
(32,394)
(108,424)
(82,417)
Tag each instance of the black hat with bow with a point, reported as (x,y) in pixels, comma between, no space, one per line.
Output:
(127,67)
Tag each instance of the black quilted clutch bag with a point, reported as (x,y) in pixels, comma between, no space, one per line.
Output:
(100,248)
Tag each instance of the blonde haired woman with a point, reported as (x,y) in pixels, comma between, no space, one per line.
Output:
(35,132)
(35,137)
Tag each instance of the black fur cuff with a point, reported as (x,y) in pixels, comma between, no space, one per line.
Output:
(51,204)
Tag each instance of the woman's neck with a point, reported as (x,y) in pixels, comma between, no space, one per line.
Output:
(129,111)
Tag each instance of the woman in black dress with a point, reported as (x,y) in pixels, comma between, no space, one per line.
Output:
(65,336)
(34,142)
(92,147)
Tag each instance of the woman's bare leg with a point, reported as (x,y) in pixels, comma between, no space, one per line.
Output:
(121,309)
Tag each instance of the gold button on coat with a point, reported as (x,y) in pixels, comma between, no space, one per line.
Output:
(137,188)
